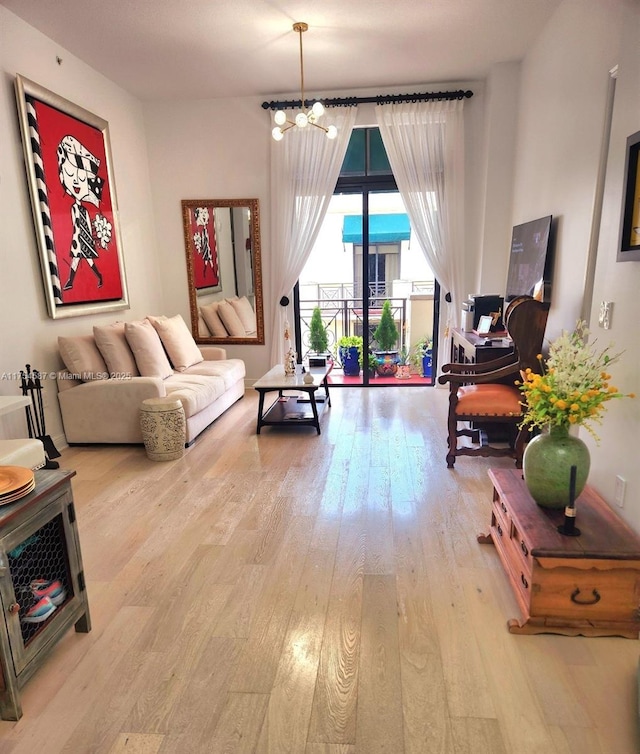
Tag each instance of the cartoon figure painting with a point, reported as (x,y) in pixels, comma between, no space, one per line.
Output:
(204,249)
(78,173)
(201,240)
(68,161)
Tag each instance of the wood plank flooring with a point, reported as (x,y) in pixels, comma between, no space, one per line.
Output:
(310,594)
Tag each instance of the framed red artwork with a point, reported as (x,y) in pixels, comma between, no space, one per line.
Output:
(73,200)
(202,248)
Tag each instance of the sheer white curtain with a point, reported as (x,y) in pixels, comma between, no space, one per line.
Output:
(305,167)
(425,145)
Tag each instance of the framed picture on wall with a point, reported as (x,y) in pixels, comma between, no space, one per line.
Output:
(73,200)
(629,249)
(198,219)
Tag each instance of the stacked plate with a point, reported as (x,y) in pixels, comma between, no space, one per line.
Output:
(15,482)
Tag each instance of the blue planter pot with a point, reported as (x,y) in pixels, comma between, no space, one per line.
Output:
(350,361)
(427,364)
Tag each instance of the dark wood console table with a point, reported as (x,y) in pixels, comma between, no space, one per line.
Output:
(587,585)
(469,348)
(38,540)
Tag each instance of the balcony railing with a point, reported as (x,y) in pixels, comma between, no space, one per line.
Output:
(344,316)
(342,310)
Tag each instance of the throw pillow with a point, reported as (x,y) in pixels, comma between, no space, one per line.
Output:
(245,313)
(82,358)
(115,350)
(230,320)
(177,341)
(213,321)
(147,349)
(203,330)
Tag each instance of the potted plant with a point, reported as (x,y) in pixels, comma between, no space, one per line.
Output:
(372,363)
(350,350)
(318,339)
(404,365)
(386,336)
(422,356)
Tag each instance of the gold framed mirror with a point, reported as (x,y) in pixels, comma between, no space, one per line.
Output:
(224,270)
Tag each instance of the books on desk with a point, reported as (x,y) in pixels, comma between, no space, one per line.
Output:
(496,334)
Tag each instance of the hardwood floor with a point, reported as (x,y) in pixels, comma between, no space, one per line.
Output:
(290,592)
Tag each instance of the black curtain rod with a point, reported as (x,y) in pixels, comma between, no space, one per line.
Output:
(380,99)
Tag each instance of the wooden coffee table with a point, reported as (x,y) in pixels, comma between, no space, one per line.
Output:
(287,410)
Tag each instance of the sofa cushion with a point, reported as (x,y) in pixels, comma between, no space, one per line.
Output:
(115,350)
(212,319)
(177,341)
(203,330)
(230,320)
(147,349)
(196,392)
(491,399)
(245,313)
(230,370)
(82,357)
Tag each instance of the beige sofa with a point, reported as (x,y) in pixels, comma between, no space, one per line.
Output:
(109,374)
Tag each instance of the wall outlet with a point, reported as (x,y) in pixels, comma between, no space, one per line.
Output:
(618,495)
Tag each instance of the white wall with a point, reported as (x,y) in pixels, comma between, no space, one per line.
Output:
(501,113)
(209,149)
(560,126)
(620,282)
(28,334)
(564,85)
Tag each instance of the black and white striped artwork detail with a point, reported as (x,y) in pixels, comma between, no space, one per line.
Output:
(43,199)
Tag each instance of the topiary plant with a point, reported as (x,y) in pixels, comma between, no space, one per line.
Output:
(386,333)
(318,332)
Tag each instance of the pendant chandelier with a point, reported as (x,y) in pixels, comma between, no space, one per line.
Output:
(303,118)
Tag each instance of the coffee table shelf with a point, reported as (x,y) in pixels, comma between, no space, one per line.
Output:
(288,410)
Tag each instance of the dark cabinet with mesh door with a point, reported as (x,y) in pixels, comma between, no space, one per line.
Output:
(42,585)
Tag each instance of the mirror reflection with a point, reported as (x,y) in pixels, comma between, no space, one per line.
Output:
(222,244)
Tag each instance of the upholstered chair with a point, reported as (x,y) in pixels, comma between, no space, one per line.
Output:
(482,394)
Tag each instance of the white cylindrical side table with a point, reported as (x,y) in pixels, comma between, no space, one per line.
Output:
(163,426)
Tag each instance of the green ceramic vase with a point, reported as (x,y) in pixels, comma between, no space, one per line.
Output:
(547,463)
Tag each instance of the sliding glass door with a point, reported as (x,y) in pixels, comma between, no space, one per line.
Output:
(364,256)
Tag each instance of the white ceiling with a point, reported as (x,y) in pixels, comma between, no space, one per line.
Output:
(201,49)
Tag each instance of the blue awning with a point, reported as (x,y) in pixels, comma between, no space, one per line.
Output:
(382,228)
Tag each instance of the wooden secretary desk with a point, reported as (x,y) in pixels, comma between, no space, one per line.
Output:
(469,348)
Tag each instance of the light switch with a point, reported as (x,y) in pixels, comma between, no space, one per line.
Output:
(606,310)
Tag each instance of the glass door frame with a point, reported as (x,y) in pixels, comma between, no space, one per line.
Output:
(365,185)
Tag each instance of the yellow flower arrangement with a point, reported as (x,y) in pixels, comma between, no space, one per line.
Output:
(573,385)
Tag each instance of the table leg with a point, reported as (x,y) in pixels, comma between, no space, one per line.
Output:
(314,408)
(326,391)
(260,409)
